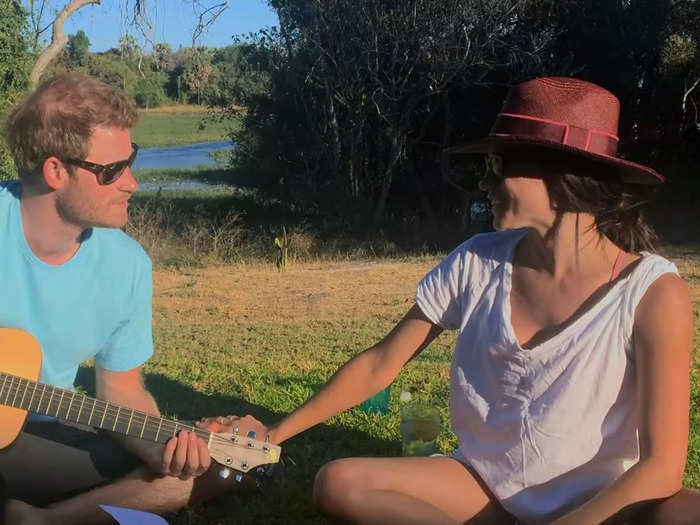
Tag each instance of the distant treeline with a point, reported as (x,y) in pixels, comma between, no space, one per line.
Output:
(346,108)
(162,76)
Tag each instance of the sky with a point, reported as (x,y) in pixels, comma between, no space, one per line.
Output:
(173,21)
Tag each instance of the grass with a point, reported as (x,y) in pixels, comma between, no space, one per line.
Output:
(206,174)
(161,128)
(196,227)
(244,338)
(247,339)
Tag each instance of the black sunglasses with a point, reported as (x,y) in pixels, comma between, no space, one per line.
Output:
(494,164)
(107,173)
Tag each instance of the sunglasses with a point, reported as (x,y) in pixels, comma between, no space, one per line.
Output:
(494,164)
(107,173)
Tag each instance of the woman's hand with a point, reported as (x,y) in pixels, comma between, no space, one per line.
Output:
(236,425)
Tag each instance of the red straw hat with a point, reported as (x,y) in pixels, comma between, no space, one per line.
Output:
(562,114)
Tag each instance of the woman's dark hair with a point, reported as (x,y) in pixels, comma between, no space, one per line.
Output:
(618,208)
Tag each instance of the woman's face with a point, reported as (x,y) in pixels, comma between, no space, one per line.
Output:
(517,192)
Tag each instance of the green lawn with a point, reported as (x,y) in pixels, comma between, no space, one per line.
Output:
(169,128)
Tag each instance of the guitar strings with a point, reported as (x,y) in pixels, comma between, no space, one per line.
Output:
(130,416)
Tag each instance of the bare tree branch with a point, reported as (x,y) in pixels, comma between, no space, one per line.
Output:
(58,38)
(206,18)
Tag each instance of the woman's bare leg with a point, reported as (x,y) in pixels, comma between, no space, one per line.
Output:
(425,490)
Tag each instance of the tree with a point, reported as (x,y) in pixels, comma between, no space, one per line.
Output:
(149,91)
(207,13)
(59,40)
(162,57)
(111,69)
(350,116)
(78,48)
(15,60)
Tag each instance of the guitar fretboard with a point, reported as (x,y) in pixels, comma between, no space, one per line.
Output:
(70,406)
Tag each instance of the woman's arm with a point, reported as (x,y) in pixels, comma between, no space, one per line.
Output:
(363,376)
(662,339)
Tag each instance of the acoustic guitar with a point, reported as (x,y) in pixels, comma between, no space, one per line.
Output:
(20,393)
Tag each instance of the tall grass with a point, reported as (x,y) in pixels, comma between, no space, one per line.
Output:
(197,227)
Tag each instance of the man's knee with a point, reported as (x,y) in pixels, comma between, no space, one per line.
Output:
(336,484)
(172,494)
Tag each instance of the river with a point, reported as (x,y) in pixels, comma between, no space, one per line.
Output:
(185,156)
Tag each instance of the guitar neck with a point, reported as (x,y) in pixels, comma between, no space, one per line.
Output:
(64,404)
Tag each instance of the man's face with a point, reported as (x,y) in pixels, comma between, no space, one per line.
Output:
(85,203)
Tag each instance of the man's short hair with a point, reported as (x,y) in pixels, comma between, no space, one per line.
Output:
(58,119)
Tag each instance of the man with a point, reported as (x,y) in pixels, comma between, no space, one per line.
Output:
(82,287)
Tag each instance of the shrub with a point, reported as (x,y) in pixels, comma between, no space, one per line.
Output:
(149,91)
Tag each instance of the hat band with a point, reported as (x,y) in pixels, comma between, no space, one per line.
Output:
(535,128)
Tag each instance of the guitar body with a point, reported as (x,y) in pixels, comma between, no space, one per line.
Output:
(20,355)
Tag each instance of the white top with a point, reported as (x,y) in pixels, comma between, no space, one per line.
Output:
(547,427)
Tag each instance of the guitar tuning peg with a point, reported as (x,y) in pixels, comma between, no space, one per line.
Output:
(239,478)
(224,473)
(260,470)
(235,430)
(251,434)
(267,438)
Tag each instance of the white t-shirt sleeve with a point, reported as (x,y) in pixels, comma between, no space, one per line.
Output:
(440,294)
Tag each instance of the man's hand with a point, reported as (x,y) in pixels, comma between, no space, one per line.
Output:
(235,424)
(185,456)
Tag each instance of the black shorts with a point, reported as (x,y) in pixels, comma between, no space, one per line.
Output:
(51,461)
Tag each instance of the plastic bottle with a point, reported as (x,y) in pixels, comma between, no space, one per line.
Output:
(420,426)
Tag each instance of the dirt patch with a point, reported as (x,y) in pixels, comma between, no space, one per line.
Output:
(322,291)
(259,293)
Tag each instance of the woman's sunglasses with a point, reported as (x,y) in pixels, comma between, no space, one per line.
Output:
(494,164)
(107,173)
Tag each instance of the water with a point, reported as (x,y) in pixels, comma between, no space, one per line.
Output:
(179,156)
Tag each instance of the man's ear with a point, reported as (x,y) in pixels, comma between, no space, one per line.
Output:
(55,173)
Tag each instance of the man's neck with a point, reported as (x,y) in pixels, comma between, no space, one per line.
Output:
(51,239)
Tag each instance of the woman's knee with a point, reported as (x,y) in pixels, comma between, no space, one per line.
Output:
(336,484)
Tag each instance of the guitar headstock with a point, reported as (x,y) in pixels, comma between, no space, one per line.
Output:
(242,453)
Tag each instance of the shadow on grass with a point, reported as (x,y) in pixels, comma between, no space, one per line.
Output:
(288,498)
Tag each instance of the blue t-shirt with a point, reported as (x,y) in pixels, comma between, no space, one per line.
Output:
(97,304)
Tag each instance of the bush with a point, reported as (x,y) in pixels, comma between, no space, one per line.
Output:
(109,68)
(7,165)
(15,62)
(149,92)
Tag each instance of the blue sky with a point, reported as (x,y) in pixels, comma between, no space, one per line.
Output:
(173,22)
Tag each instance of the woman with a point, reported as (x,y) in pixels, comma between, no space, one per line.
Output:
(569,382)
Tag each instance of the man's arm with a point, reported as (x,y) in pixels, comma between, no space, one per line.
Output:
(184,456)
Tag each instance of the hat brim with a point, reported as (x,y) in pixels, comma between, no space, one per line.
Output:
(629,172)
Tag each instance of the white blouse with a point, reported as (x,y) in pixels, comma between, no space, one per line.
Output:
(547,427)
